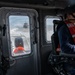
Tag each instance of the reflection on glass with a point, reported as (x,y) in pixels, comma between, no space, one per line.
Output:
(49,27)
(19,35)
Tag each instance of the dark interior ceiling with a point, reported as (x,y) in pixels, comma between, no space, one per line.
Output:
(49,3)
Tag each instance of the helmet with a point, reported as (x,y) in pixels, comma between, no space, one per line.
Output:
(18,42)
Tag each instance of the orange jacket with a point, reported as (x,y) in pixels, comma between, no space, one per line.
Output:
(18,49)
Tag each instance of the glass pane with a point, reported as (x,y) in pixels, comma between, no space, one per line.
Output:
(49,27)
(19,35)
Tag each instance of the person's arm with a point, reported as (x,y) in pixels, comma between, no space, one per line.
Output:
(65,41)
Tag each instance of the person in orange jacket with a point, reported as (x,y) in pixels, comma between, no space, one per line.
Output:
(19,45)
(66,35)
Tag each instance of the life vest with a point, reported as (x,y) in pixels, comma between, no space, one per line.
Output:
(71,28)
(18,49)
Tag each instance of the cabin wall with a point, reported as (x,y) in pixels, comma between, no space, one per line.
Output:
(45,48)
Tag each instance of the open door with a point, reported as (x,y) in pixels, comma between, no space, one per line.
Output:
(19,42)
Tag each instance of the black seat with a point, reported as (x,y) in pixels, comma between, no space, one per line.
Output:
(54,37)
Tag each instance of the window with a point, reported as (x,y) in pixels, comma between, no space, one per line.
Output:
(19,28)
(49,27)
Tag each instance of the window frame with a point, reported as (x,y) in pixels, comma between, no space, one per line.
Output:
(48,16)
(8,33)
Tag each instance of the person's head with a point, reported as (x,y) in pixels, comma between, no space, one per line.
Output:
(70,13)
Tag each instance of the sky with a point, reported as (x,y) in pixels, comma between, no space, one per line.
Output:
(18,21)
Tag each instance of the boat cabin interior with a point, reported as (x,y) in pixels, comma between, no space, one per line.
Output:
(28,37)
